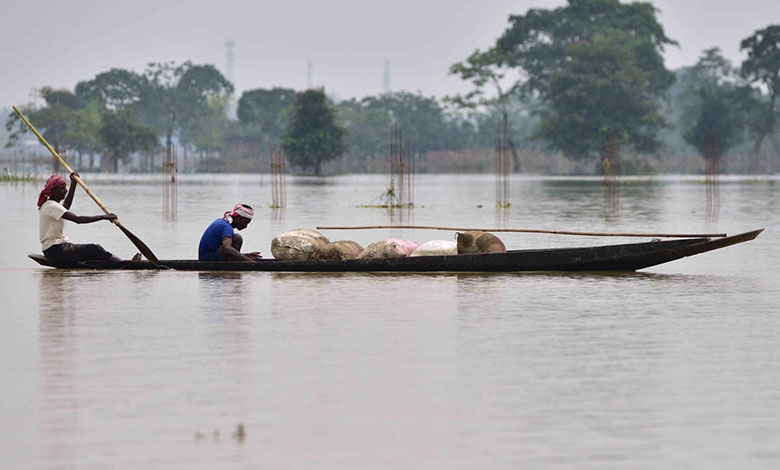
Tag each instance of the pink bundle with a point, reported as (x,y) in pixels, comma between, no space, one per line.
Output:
(390,248)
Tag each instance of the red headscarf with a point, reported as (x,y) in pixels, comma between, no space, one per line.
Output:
(51,183)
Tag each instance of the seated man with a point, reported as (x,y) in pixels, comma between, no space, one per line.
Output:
(220,243)
(52,214)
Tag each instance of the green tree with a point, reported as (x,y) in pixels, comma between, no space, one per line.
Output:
(265,114)
(177,100)
(711,119)
(368,129)
(762,67)
(201,98)
(208,131)
(115,89)
(714,127)
(121,136)
(313,136)
(424,123)
(591,58)
(56,119)
(598,100)
(83,132)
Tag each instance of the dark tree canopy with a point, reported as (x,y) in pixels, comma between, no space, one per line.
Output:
(597,99)
(115,89)
(121,136)
(313,136)
(537,41)
(714,127)
(265,114)
(712,118)
(176,100)
(597,65)
(424,122)
(368,128)
(201,81)
(762,67)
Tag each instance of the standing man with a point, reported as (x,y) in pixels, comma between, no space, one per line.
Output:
(220,243)
(53,214)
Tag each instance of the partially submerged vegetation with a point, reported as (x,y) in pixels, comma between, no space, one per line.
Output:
(12,176)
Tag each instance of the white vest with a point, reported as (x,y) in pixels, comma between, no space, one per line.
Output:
(52,224)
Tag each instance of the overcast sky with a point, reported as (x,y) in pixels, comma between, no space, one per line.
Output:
(58,43)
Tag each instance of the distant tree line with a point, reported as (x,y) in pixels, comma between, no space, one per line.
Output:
(585,80)
(594,72)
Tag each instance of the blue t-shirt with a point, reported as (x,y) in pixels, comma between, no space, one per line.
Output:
(212,238)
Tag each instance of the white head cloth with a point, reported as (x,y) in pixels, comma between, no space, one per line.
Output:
(241,210)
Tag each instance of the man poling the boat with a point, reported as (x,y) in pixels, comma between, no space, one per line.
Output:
(53,213)
(220,243)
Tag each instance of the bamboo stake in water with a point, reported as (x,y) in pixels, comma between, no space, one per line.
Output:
(531,230)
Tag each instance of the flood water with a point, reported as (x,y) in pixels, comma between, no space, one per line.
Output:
(676,366)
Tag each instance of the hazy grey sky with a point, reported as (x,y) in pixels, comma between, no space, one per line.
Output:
(58,43)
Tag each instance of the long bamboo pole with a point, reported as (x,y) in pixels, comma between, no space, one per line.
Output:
(531,230)
(145,250)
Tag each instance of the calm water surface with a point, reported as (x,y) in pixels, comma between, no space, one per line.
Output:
(677,366)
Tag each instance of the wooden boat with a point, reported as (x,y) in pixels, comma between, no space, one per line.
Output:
(625,257)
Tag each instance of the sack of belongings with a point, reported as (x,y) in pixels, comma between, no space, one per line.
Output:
(436,248)
(475,242)
(390,248)
(297,245)
(340,250)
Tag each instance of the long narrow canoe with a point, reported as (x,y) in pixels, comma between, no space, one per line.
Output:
(625,257)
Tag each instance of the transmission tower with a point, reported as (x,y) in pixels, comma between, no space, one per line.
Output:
(386,83)
(230,59)
(232,105)
(310,74)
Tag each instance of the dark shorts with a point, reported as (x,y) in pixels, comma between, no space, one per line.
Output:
(210,256)
(73,252)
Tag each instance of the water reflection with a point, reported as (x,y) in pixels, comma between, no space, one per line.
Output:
(277,214)
(313,181)
(612,202)
(228,300)
(502,215)
(400,215)
(713,198)
(57,364)
(225,291)
(228,307)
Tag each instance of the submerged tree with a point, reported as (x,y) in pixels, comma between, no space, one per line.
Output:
(598,101)
(121,136)
(201,97)
(176,100)
(265,114)
(712,120)
(762,67)
(313,136)
(425,124)
(597,66)
(368,128)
